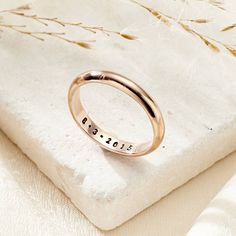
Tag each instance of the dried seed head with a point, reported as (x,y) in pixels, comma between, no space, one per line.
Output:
(228,28)
(23,7)
(231,50)
(128,36)
(201,21)
(83,44)
(211,45)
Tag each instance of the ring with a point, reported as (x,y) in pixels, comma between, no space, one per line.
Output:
(103,138)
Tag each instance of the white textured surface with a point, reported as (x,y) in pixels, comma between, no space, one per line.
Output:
(194,87)
(219,218)
(34,206)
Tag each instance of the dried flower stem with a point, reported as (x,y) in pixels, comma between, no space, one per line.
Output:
(204,38)
(166,18)
(46,20)
(208,41)
(215,3)
(39,35)
(20,8)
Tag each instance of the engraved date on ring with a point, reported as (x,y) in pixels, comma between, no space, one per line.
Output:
(109,140)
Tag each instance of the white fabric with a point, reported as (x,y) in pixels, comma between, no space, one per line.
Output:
(189,84)
(31,205)
(219,218)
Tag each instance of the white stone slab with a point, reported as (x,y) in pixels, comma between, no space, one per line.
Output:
(23,188)
(194,87)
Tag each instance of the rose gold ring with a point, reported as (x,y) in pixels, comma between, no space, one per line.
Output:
(103,138)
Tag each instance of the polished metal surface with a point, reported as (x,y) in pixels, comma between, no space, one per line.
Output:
(104,139)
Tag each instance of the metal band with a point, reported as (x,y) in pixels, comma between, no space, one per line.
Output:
(104,139)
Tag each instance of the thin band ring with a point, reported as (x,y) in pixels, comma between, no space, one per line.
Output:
(104,139)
